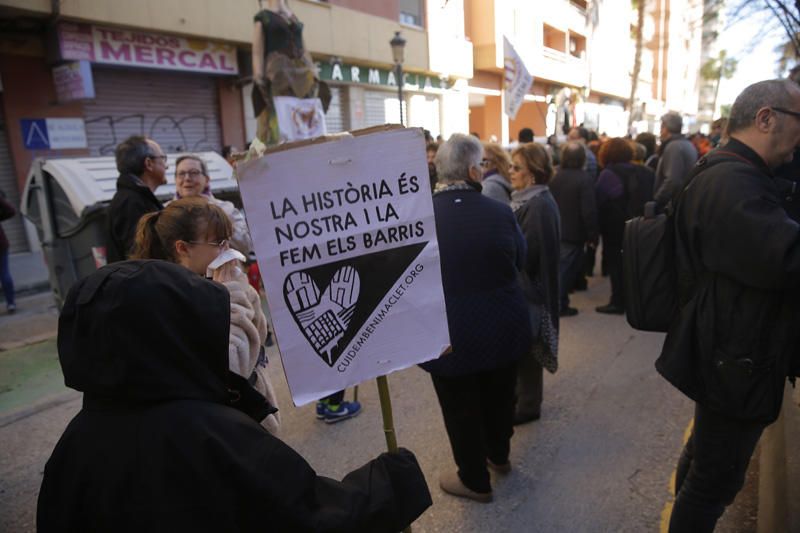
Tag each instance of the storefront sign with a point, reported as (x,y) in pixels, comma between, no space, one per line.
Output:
(53,133)
(141,49)
(517,80)
(377,76)
(346,242)
(73,81)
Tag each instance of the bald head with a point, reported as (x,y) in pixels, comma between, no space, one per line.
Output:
(768,93)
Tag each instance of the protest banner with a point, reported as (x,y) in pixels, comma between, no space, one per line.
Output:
(344,233)
(517,80)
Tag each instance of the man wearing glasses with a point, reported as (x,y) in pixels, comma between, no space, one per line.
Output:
(735,338)
(142,168)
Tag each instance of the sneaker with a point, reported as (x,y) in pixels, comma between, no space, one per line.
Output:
(451,483)
(11,308)
(321,409)
(336,413)
(568,311)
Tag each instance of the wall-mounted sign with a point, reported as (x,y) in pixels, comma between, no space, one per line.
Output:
(53,133)
(141,49)
(378,76)
(73,81)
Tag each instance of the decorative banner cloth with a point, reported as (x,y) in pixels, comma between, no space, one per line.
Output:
(299,118)
(345,237)
(517,81)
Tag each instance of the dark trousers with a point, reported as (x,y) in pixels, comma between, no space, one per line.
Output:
(478,412)
(711,469)
(5,278)
(335,398)
(530,386)
(569,266)
(613,255)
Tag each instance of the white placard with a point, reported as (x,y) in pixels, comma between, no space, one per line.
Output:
(346,243)
(517,80)
(66,133)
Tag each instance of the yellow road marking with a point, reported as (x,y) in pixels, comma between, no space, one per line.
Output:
(666,512)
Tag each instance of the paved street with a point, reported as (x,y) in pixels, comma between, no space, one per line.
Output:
(600,459)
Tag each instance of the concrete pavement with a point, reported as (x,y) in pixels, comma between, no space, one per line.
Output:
(600,459)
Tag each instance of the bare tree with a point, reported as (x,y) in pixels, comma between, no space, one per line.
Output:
(637,58)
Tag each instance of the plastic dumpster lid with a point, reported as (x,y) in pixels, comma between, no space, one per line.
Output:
(90,180)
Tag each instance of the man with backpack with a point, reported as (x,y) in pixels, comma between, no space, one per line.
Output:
(734,339)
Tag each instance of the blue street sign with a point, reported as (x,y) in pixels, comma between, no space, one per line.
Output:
(34,134)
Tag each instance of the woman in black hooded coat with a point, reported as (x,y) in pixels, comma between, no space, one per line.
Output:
(168,439)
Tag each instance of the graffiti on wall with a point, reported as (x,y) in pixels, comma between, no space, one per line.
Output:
(185,134)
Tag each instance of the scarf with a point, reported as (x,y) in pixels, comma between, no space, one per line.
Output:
(457,186)
(520,198)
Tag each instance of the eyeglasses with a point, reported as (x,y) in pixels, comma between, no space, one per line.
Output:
(194,173)
(221,244)
(161,157)
(795,114)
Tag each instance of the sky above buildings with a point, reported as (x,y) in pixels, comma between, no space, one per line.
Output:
(747,41)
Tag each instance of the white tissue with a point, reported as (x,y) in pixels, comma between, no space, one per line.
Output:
(225,257)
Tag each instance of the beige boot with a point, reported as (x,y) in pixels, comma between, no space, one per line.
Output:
(452,484)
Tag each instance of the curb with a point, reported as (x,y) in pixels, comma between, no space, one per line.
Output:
(48,403)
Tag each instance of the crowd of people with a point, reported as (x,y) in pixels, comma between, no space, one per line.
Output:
(185,417)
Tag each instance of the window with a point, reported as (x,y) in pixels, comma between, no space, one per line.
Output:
(577,45)
(554,39)
(411,12)
(580,4)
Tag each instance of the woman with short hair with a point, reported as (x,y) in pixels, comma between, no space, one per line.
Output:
(192,179)
(481,251)
(496,164)
(537,213)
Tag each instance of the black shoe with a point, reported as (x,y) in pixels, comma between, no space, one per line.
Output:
(610,309)
(568,311)
(581,285)
(524,418)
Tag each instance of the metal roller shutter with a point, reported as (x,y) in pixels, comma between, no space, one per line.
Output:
(381,108)
(337,111)
(14,228)
(179,111)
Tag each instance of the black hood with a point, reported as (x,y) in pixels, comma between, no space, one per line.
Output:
(146,331)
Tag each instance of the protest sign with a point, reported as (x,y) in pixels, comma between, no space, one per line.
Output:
(345,237)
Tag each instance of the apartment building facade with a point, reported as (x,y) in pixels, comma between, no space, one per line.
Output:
(79,77)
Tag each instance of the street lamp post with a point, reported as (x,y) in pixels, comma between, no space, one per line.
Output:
(398,45)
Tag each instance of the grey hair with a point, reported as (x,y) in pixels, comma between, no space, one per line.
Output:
(762,94)
(456,156)
(673,122)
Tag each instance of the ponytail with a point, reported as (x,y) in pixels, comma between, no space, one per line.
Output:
(186,219)
(147,244)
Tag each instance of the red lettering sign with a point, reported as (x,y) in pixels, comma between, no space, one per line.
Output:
(107,52)
(144,54)
(165,56)
(183,58)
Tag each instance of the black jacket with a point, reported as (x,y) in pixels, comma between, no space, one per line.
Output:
(131,201)
(573,190)
(163,441)
(482,251)
(736,336)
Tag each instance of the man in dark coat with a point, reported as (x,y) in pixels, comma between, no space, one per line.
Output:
(142,169)
(677,157)
(168,439)
(482,251)
(735,338)
(573,190)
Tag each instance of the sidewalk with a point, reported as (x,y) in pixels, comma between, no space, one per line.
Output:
(29,273)
(36,320)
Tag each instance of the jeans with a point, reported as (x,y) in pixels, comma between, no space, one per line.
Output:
(5,278)
(478,412)
(569,265)
(711,469)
